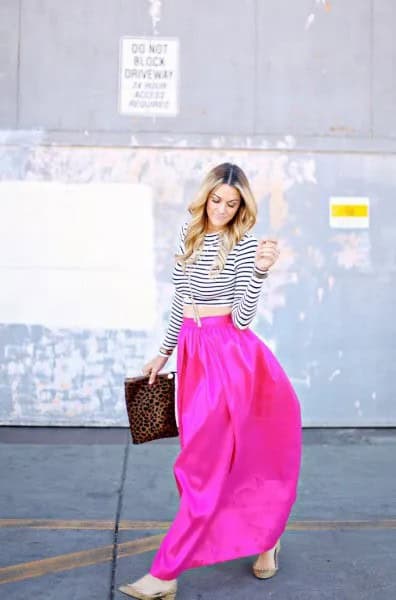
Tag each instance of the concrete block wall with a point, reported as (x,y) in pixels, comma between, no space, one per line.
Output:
(301,95)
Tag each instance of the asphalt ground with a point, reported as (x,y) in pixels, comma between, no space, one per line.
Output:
(83,510)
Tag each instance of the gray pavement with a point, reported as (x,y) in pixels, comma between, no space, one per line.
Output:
(83,509)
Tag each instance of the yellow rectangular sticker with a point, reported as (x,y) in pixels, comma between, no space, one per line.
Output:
(349,212)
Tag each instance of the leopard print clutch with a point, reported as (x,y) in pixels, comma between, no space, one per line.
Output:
(151,408)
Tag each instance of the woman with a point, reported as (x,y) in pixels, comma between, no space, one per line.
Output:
(239,417)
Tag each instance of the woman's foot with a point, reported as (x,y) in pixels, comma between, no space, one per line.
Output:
(150,586)
(266,559)
(266,564)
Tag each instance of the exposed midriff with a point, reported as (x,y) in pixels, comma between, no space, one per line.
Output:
(206,310)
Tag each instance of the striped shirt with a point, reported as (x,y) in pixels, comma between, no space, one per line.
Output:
(236,285)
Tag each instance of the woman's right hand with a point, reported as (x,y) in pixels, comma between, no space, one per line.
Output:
(156,364)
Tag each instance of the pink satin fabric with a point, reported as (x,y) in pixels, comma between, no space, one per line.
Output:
(240,435)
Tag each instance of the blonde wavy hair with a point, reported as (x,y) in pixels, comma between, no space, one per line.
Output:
(243,220)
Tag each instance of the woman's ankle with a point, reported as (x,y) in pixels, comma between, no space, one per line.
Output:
(161,578)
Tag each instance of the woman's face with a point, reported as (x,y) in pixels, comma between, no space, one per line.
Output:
(221,206)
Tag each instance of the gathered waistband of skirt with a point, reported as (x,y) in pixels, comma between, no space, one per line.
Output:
(207,320)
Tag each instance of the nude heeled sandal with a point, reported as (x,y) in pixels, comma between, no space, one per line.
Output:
(130,590)
(267,573)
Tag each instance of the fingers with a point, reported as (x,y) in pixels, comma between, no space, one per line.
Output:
(271,253)
(149,370)
(268,242)
(268,251)
(152,376)
(268,248)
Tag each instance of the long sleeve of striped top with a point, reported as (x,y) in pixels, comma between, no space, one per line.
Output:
(248,286)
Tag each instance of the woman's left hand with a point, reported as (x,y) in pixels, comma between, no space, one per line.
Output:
(267,253)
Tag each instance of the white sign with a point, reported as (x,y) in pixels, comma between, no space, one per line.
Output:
(349,212)
(149,76)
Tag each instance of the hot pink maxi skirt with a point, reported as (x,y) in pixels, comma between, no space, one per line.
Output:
(241,439)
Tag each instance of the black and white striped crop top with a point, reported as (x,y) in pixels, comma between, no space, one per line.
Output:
(236,285)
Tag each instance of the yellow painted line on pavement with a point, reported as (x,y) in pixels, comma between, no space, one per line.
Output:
(73,560)
(83,524)
(129,525)
(307,525)
(84,558)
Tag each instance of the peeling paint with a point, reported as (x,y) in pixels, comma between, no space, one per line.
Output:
(155,13)
(316,256)
(278,206)
(330,281)
(309,167)
(287,143)
(334,374)
(276,287)
(72,373)
(325,4)
(218,142)
(354,250)
(72,376)
(29,137)
(305,380)
(309,21)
